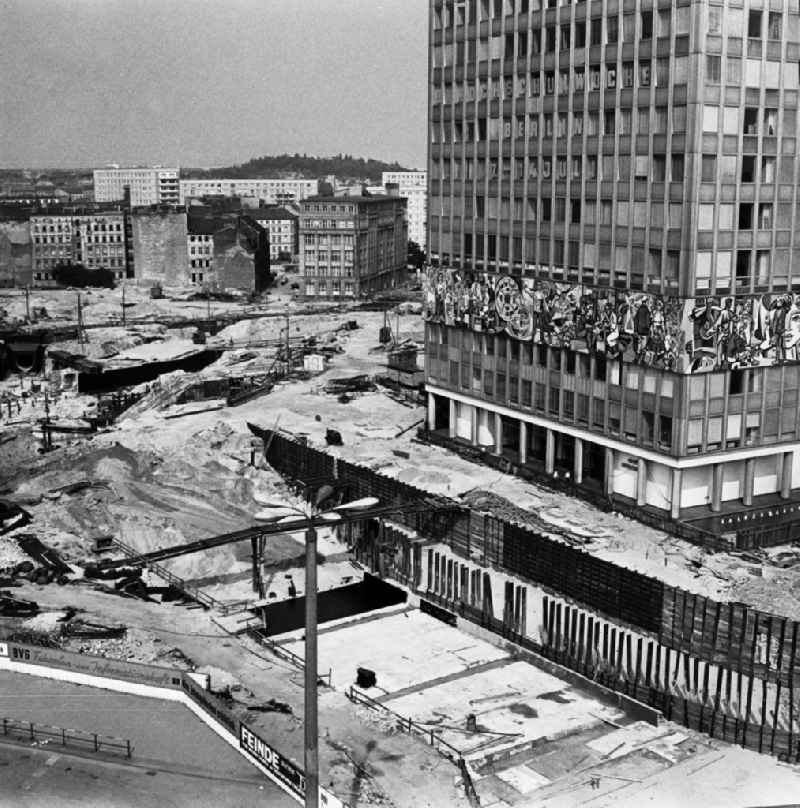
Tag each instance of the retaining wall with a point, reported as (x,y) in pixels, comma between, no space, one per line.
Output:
(722,668)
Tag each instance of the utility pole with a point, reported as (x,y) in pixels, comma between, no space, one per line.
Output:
(28,303)
(311,757)
(288,355)
(80,321)
(48,436)
(123,304)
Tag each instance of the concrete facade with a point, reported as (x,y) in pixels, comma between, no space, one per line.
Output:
(270,191)
(148,186)
(612,231)
(414,187)
(159,246)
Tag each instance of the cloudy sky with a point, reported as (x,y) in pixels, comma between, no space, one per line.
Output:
(210,82)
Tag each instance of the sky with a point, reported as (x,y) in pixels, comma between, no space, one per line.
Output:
(210,82)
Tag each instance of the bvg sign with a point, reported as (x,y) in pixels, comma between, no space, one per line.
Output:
(283,769)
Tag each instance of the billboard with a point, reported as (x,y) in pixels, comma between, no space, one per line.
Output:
(282,768)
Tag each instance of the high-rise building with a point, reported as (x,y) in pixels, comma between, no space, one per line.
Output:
(273,191)
(352,245)
(414,187)
(614,236)
(148,186)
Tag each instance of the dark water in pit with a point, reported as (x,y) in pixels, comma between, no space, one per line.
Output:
(333,604)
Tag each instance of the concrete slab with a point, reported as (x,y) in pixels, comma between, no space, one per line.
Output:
(518,700)
(523,779)
(403,649)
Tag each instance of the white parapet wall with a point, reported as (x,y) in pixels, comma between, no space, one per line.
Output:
(244,745)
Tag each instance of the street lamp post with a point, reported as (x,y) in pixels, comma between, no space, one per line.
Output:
(280,512)
(311,735)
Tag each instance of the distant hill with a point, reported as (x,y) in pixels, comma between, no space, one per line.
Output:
(344,166)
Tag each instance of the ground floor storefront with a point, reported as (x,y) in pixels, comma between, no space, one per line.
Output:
(718,489)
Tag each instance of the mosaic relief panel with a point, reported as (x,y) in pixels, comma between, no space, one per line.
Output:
(684,335)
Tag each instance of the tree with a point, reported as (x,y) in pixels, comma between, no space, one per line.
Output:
(67,273)
(416,255)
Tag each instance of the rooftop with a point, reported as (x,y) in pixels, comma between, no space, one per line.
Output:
(349,200)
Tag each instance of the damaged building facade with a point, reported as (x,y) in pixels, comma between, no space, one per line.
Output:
(94,239)
(614,240)
(227,251)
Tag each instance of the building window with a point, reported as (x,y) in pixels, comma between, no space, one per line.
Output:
(775,25)
(709,168)
(647,24)
(754,25)
(713,69)
(596,31)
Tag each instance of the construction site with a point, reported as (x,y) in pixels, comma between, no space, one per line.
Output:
(483,639)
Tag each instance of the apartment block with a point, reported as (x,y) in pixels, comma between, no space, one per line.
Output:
(269,191)
(95,240)
(352,245)
(615,249)
(148,186)
(281,226)
(200,251)
(414,187)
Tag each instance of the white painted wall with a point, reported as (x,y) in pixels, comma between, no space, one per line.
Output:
(463,421)
(732,480)
(696,486)
(796,469)
(624,475)
(485,428)
(658,490)
(151,691)
(765,480)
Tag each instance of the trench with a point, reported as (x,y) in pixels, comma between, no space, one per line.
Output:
(333,604)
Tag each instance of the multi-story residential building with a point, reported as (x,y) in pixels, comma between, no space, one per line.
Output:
(200,249)
(614,229)
(270,191)
(352,245)
(95,240)
(414,187)
(281,225)
(148,186)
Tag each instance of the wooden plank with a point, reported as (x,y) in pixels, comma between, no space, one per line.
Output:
(558,631)
(573,635)
(638,674)
(764,681)
(750,682)
(777,710)
(581,642)
(791,686)
(716,698)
